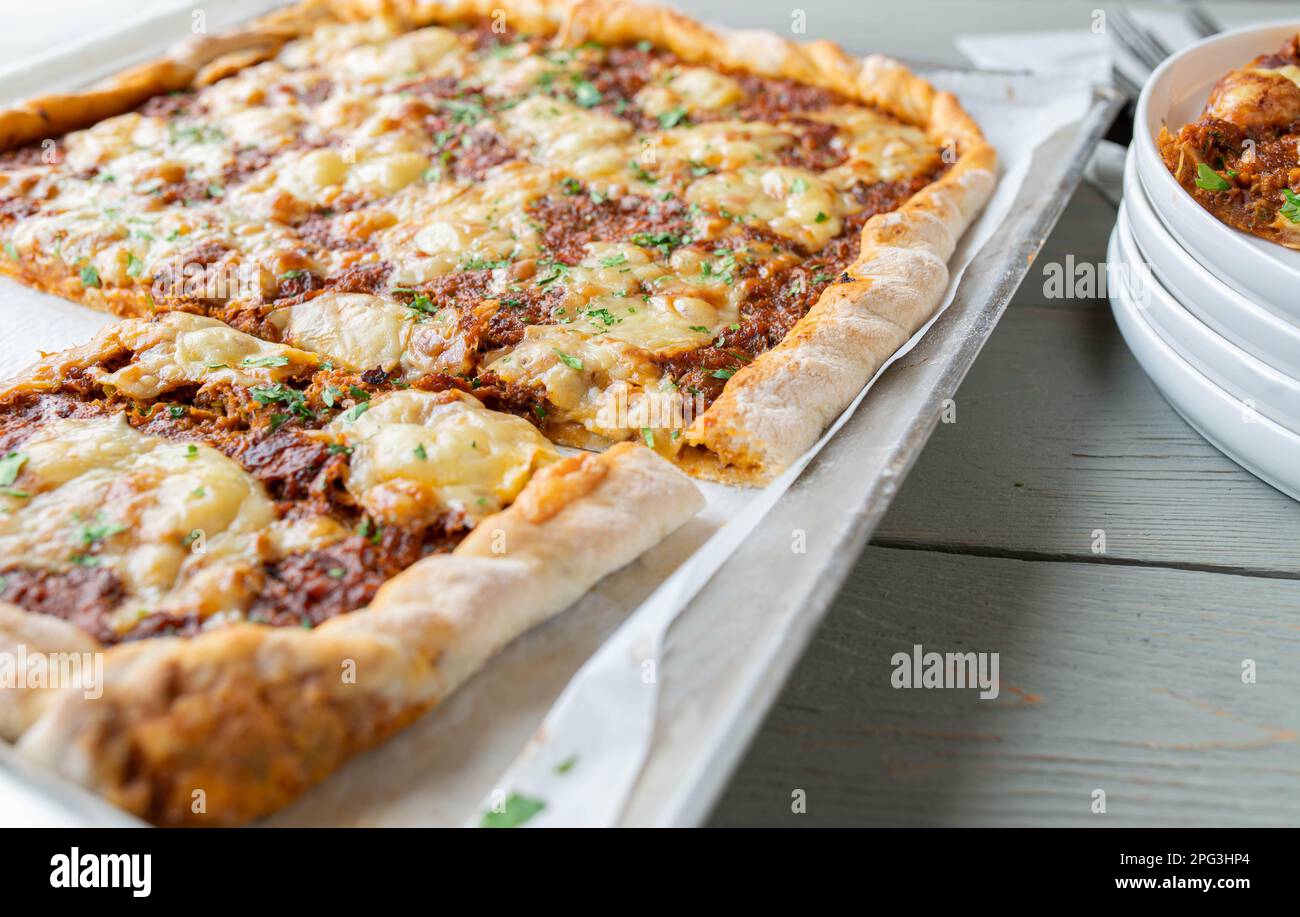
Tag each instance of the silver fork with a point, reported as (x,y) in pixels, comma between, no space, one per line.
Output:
(1201,22)
(1130,33)
(1148,47)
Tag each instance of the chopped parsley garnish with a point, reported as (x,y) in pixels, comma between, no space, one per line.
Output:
(268,361)
(11,251)
(821,217)
(702,329)
(798,186)
(329,394)
(569,361)
(353,414)
(10,466)
(517,811)
(664,241)
(84,560)
(466,111)
(293,275)
(89,276)
(566,765)
(673,117)
(639,172)
(420,453)
(336,572)
(648,435)
(1210,180)
(422,304)
(291,399)
(134,266)
(723,373)
(571,186)
(200,134)
(586,94)
(339,449)
(90,534)
(555,270)
(1291,209)
(602,315)
(192,537)
(368,529)
(191,452)
(477,263)
(176,411)
(613,260)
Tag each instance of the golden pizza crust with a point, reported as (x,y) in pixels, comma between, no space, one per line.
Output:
(251,715)
(246,717)
(775,408)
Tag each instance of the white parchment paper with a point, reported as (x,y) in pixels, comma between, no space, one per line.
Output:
(452,765)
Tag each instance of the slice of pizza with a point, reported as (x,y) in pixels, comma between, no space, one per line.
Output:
(1241,158)
(616,221)
(280,560)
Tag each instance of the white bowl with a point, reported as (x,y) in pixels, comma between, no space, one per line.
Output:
(1257,331)
(1254,383)
(1263,271)
(1263,448)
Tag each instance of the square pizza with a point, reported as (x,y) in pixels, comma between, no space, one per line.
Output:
(430,310)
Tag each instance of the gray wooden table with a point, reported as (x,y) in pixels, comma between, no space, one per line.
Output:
(1121,671)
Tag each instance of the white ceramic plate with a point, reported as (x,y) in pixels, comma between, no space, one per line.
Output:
(1266,450)
(1257,331)
(1264,272)
(1274,394)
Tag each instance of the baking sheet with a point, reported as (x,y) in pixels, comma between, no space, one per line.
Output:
(442,769)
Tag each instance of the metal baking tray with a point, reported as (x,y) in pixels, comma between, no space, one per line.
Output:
(765,602)
(732,648)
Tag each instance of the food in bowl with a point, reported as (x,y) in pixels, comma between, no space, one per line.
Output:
(1241,158)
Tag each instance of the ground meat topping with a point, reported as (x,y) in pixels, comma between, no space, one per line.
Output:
(84,596)
(573,221)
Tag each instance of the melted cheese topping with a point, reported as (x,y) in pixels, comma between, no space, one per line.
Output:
(559,133)
(417,455)
(576,369)
(103,494)
(364,125)
(1290,71)
(793,202)
(423,53)
(879,148)
(690,89)
(482,224)
(180,348)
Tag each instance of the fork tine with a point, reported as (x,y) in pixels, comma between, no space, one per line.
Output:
(1199,19)
(1125,83)
(1130,35)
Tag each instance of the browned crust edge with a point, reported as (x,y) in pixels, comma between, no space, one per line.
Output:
(775,408)
(252,716)
(228,726)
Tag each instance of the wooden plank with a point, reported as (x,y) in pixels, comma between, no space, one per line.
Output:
(1059,435)
(1112,678)
(1079,240)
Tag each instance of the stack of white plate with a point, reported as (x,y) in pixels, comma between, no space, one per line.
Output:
(1212,314)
